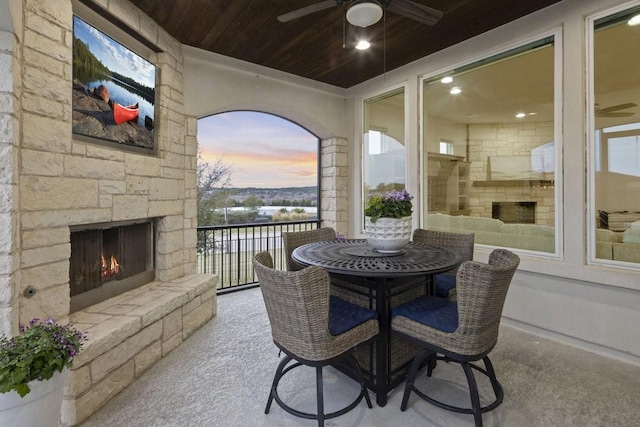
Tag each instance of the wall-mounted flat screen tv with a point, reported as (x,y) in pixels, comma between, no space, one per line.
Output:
(113,89)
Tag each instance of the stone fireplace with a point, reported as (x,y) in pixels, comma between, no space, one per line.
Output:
(108,260)
(59,193)
(514,212)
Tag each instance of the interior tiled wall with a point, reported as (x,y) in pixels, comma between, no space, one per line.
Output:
(508,140)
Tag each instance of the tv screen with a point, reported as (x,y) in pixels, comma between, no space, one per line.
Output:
(113,89)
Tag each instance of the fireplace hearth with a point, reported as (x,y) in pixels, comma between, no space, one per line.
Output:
(109,259)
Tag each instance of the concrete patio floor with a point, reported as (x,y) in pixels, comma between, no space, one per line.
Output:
(221,376)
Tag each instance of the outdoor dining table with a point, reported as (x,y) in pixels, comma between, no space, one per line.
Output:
(380,274)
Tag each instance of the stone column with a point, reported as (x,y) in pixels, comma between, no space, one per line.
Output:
(10,87)
(334,184)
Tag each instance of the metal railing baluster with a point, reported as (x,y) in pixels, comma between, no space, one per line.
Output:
(227,250)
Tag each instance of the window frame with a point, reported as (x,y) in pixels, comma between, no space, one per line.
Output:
(558,90)
(359,148)
(591,157)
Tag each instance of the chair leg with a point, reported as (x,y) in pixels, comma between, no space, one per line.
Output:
(431,364)
(475,397)
(411,377)
(497,388)
(351,358)
(320,396)
(276,380)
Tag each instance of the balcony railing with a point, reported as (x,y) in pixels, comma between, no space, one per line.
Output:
(227,250)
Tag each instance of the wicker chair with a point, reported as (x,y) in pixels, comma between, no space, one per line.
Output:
(462,331)
(460,243)
(293,239)
(312,328)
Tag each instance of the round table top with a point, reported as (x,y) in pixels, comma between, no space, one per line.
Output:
(354,257)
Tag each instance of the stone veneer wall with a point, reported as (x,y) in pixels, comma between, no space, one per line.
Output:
(65,182)
(334,184)
(508,140)
(9,137)
(50,181)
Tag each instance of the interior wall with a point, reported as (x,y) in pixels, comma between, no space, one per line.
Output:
(500,139)
(437,129)
(388,115)
(591,306)
(612,192)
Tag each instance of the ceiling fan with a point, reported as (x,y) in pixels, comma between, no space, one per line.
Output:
(614,110)
(362,13)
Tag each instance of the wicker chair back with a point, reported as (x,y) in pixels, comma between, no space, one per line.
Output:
(460,243)
(293,239)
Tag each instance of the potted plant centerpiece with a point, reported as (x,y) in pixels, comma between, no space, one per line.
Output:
(388,220)
(33,369)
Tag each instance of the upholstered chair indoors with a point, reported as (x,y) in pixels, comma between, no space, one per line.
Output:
(312,328)
(293,239)
(461,331)
(460,243)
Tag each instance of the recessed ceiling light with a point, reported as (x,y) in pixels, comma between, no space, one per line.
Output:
(520,115)
(634,20)
(455,90)
(446,80)
(531,114)
(363,45)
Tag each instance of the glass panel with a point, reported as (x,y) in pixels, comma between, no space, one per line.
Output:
(497,179)
(384,150)
(616,148)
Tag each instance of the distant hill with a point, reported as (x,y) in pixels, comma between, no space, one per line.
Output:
(270,194)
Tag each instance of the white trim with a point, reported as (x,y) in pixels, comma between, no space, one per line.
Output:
(358,132)
(558,92)
(590,145)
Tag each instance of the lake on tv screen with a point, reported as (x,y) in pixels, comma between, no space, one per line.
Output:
(113,89)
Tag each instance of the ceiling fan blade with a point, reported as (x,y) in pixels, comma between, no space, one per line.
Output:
(299,13)
(417,12)
(600,114)
(617,107)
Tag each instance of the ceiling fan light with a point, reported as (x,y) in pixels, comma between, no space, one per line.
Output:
(363,45)
(635,20)
(364,14)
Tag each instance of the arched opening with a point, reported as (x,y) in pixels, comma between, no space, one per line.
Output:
(258,175)
(256,166)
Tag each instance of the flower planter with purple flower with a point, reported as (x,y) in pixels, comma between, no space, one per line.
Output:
(33,369)
(388,224)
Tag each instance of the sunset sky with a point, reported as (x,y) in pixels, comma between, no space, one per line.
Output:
(263,150)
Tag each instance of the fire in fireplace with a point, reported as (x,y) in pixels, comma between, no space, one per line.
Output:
(109,259)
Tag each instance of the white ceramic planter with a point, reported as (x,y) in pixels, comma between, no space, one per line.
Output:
(39,408)
(388,235)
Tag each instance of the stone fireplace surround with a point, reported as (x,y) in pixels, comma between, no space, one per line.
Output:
(51,181)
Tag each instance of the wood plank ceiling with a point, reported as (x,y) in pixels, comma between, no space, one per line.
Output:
(312,46)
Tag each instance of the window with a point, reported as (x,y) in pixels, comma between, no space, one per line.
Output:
(383,161)
(446,147)
(491,149)
(614,168)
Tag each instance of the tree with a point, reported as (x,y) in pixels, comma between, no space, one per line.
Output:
(253,202)
(213,190)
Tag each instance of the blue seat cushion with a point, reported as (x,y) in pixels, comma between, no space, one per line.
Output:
(444,283)
(439,313)
(344,316)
